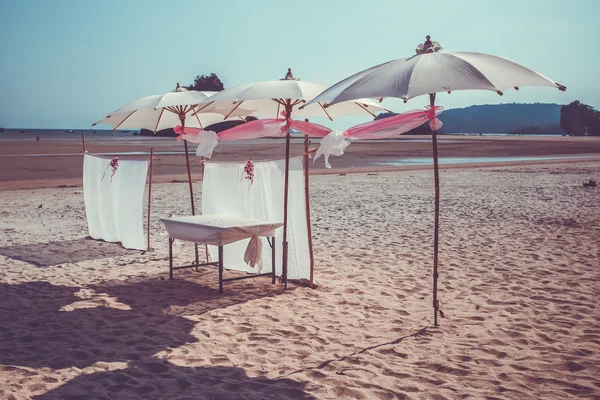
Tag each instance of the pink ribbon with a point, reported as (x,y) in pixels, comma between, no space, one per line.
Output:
(378,129)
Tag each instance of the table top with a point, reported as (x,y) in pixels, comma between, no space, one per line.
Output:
(218,229)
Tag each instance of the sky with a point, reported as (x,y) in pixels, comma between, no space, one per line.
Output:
(68,63)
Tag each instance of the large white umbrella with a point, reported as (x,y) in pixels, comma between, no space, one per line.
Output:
(431,73)
(270,99)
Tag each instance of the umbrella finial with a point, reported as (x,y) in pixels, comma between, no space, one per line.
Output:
(428,46)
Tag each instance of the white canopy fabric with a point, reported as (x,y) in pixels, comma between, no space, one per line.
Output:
(226,191)
(149,112)
(256,99)
(410,77)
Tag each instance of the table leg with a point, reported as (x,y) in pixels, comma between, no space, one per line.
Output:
(273,263)
(220,269)
(170,258)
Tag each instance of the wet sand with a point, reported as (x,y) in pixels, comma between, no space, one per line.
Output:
(60,162)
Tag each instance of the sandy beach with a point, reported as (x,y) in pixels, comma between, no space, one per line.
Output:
(519,273)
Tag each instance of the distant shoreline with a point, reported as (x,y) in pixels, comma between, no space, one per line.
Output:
(59,162)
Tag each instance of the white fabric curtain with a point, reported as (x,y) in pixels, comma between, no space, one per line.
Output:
(114,206)
(226,191)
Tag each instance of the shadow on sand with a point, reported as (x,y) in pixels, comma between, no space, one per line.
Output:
(45,325)
(38,332)
(158,379)
(67,251)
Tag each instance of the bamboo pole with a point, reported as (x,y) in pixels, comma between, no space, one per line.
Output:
(206,254)
(284,266)
(437,217)
(83,142)
(308,225)
(187,161)
(150,196)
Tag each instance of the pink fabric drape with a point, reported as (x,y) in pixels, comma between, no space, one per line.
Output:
(396,125)
(379,129)
(257,129)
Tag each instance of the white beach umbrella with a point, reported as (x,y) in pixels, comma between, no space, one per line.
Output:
(270,99)
(414,76)
(431,73)
(164,111)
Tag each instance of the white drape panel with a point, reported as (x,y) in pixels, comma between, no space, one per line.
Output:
(226,191)
(114,206)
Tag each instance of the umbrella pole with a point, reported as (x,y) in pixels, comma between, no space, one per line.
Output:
(284,266)
(205,246)
(187,162)
(436,176)
(308,226)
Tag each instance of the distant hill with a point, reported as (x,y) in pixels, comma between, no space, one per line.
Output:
(503,118)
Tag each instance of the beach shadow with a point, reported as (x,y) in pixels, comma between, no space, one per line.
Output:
(45,325)
(67,251)
(192,293)
(159,379)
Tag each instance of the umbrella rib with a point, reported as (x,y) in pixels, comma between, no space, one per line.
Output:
(234,108)
(200,109)
(325,111)
(121,123)
(199,123)
(158,120)
(365,108)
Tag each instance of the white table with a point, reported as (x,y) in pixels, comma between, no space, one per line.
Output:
(218,230)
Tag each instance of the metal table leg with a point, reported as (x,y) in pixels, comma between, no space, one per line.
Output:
(273,274)
(171,257)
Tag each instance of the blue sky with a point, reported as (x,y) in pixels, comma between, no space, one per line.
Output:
(68,63)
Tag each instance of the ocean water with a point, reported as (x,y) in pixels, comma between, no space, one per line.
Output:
(65,134)
(403,162)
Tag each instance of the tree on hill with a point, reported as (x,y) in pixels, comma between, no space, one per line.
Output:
(206,83)
(576,117)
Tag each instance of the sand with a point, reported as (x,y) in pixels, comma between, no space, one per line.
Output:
(519,273)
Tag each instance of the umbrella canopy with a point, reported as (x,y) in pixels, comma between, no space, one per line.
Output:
(414,76)
(160,112)
(264,99)
(431,73)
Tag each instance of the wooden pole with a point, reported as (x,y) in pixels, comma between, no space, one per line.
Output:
(206,254)
(187,161)
(284,264)
(150,196)
(83,142)
(436,176)
(308,225)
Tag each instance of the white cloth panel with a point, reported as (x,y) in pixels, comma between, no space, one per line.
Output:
(114,206)
(226,191)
